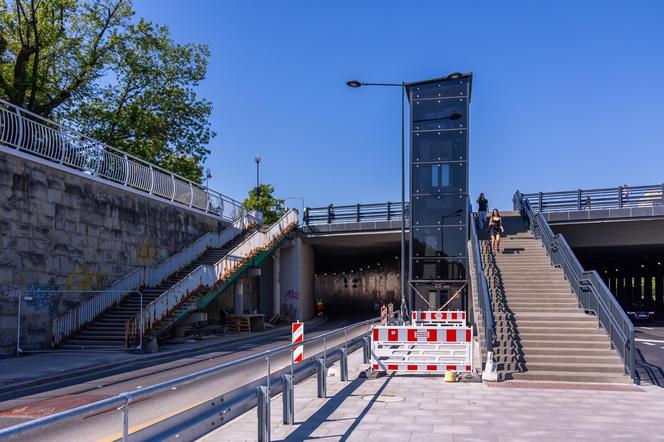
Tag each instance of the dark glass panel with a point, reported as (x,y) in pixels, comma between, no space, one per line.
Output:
(439,146)
(435,210)
(439,178)
(439,269)
(440,110)
(452,88)
(439,241)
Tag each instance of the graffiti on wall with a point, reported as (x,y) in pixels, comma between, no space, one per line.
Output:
(81,279)
(42,297)
(148,254)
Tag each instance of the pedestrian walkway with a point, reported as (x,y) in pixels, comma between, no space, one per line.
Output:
(418,408)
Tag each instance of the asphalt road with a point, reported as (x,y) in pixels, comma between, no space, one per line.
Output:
(650,352)
(107,424)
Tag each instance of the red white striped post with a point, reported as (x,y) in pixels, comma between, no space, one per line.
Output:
(297,329)
(383,315)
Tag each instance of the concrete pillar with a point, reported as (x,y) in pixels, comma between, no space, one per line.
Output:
(238,292)
(276,300)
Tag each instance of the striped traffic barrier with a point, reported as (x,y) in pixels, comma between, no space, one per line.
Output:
(297,329)
(422,349)
(448,318)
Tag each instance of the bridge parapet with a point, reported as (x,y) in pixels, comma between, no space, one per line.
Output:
(28,133)
(356,217)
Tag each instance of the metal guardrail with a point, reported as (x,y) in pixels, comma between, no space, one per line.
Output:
(46,139)
(207,275)
(483,294)
(354,214)
(243,398)
(592,199)
(86,311)
(592,293)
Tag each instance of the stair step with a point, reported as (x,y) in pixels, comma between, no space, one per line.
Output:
(571,376)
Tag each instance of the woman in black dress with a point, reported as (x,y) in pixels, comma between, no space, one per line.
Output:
(495,229)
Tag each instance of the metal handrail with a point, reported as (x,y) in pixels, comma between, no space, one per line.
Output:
(86,311)
(123,400)
(28,132)
(592,199)
(390,211)
(591,292)
(483,293)
(206,275)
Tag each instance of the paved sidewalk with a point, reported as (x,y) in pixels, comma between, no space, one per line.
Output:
(410,408)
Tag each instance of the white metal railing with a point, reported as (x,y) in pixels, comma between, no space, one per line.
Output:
(206,275)
(85,312)
(31,133)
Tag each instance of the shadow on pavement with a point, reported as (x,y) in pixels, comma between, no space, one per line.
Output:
(648,372)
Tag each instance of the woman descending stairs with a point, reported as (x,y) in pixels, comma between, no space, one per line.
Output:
(541,333)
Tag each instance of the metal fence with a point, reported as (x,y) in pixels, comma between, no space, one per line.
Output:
(354,214)
(231,404)
(483,295)
(592,293)
(46,139)
(591,199)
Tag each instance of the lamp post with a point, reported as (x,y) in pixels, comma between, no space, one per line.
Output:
(258,182)
(402,85)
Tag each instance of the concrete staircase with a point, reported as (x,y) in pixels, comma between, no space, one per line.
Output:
(108,330)
(541,333)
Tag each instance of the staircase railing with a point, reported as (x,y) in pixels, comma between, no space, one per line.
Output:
(483,295)
(86,311)
(592,293)
(39,137)
(208,275)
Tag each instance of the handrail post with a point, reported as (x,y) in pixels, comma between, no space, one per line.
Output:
(578,199)
(191,194)
(388,210)
(366,349)
(620,197)
(173,181)
(357,215)
(329,214)
(539,203)
(305,216)
(151,179)
(263,412)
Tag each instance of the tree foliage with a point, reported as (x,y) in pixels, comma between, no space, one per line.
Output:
(271,207)
(121,80)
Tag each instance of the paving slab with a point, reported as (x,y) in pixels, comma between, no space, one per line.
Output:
(410,408)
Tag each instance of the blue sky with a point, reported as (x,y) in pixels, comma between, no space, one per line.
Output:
(565,94)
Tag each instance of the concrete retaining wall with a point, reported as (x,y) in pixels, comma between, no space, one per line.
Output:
(62,233)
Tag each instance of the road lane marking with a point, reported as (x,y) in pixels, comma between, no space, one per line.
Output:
(143,425)
(648,340)
(662,348)
(648,343)
(646,328)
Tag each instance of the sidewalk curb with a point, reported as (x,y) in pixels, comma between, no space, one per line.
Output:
(166,356)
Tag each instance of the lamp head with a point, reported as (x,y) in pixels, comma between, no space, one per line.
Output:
(353,83)
(257,159)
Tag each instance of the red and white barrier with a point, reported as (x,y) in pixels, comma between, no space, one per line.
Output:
(420,349)
(297,329)
(448,318)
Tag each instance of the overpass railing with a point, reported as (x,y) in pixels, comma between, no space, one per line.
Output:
(483,294)
(30,133)
(592,293)
(591,199)
(354,213)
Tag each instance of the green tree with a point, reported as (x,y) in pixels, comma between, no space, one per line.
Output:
(121,80)
(271,207)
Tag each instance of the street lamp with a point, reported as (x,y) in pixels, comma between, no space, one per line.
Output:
(402,85)
(258,185)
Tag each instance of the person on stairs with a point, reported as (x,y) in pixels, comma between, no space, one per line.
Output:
(495,229)
(482,209)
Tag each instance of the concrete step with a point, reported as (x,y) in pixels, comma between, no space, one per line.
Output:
(527,344)
(572,376)
(605,360)
(586,336)
(524,331)
(554,352)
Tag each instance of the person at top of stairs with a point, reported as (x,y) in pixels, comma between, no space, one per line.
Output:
(495,229)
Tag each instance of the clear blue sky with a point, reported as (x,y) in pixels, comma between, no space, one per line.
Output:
(565,94)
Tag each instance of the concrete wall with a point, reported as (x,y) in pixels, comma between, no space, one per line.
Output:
(63,233)
(296,275)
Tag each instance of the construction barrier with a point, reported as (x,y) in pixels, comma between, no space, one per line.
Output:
(449,318)
(421,349)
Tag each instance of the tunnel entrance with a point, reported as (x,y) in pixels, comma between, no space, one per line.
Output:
(357,273)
